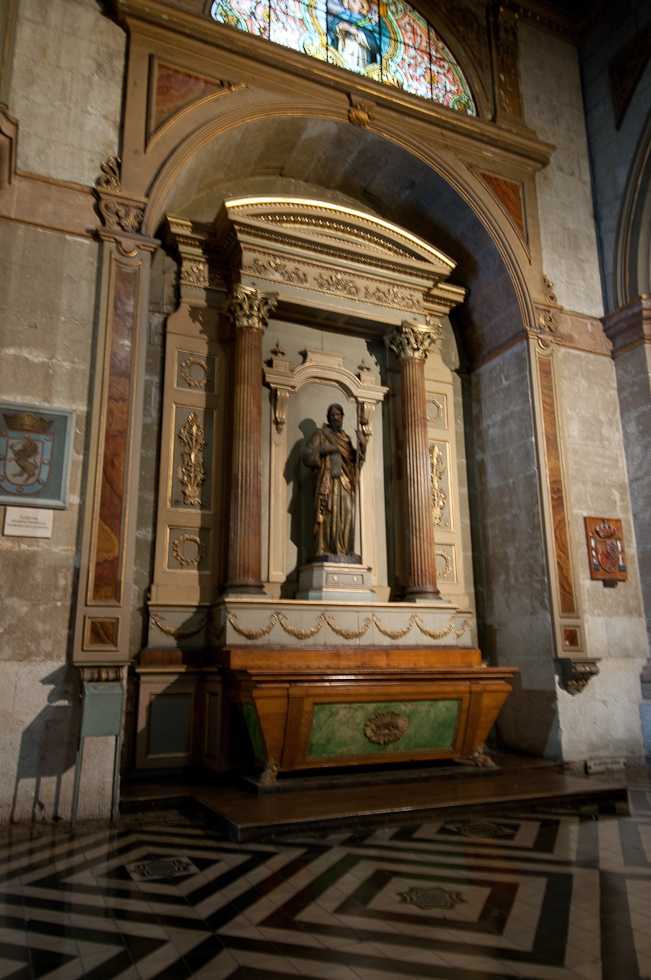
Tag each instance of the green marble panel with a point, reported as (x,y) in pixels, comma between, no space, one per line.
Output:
(338,729)
(255,732)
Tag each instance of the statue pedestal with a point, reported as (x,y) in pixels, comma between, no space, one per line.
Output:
(336,582)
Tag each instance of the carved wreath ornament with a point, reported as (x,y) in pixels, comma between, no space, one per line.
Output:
(386,727)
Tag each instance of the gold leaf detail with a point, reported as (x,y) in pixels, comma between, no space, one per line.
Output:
(191,472)
(187,377)
(448,564)
(178,634)
(180,557)
(437,470)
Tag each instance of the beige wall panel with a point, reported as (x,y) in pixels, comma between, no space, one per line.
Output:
(553,107)
(67,88)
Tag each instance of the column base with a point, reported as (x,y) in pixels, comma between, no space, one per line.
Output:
(422,594)
(244,590)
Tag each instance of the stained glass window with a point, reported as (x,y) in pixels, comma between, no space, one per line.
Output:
(386,40)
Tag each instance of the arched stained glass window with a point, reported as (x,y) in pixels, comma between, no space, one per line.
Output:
(386,40)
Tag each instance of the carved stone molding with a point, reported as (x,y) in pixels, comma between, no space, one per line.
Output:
(250,308)
(576,674)
(412,341)
(122,219)
(121,215)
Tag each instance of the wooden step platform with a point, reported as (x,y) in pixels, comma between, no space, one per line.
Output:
(246,817)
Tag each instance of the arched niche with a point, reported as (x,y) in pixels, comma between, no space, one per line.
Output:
(399,180)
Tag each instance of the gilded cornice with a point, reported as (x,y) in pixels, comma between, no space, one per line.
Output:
(268,249)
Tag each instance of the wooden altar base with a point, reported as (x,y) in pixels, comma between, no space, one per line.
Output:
(244,817)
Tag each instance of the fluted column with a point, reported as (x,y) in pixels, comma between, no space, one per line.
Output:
(411,343)
(249,311)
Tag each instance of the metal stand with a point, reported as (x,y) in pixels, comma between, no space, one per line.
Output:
(102,714)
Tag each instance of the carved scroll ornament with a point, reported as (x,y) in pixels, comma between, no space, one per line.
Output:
(437,471)
(191,472)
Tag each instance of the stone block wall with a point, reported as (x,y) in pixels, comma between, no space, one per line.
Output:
(66,93)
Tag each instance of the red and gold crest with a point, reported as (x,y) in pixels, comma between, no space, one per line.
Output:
(606,549)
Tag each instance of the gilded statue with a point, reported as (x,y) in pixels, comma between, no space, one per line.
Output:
(336,465)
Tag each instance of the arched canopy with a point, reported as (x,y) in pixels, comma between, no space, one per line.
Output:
(328,160)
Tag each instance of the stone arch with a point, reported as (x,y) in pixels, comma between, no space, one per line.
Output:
(398,179)
(632,260)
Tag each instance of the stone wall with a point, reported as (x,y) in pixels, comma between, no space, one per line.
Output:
(66,88)
(511,578)
(66,93)
(47,316)
(553,107)
(604,720)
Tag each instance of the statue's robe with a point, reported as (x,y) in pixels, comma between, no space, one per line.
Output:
(335,486)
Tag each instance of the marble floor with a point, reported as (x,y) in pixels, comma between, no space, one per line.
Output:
(533,896)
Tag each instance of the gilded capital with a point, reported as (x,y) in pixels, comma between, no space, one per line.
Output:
(250,308)
(412,341)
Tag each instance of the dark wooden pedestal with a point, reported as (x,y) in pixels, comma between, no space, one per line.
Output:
(305,709)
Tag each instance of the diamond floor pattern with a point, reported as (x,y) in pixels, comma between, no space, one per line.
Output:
(558,896)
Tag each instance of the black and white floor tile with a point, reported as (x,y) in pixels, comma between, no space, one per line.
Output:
(563,896)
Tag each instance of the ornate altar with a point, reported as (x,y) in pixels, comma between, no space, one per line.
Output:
(288,306)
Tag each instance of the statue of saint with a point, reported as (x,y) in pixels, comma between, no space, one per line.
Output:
(336,464)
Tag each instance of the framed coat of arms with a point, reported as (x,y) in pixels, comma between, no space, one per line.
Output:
(606,549)
(35,452)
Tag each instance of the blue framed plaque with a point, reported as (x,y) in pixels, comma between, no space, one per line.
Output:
(35,453)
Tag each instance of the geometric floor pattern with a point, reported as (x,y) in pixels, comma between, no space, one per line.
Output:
(556,896)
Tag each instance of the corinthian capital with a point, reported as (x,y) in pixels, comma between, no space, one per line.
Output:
(412,341)
(249,308)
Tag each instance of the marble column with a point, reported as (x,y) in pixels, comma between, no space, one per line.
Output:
(249,311)
(411,343)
